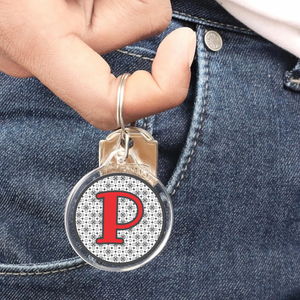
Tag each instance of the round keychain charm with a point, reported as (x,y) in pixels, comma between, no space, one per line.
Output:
(119,216)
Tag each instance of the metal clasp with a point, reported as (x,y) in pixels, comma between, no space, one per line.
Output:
(142,151)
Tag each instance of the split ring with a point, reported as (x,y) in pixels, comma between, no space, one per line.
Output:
(120,102)
(120,121)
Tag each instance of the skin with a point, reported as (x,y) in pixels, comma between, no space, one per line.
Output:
(59,42)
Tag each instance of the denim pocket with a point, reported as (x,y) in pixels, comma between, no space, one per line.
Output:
(46,147)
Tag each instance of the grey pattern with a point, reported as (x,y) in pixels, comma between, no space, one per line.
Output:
(139,239)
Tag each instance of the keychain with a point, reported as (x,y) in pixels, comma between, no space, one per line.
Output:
(119,216)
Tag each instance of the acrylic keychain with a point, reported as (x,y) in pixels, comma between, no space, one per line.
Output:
(119,216)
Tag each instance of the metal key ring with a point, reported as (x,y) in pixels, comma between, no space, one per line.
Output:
(120,121)
(120,102)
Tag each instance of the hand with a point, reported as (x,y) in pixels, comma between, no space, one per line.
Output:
(59,42)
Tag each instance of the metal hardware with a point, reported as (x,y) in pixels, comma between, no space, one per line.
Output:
(213,40)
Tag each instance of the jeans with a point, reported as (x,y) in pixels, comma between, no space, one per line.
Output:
(229,156)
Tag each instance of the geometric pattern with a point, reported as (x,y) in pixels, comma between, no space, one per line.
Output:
(139,239)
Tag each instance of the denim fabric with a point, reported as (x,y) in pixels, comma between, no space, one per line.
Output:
(229,156)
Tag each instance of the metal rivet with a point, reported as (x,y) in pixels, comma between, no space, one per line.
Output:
(213,40)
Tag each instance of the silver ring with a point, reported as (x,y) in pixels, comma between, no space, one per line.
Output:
(120,102)
(120,121)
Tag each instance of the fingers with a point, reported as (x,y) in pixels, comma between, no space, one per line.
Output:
(81,78)
(167,87)
(104,25)
(129,20)
(53,51)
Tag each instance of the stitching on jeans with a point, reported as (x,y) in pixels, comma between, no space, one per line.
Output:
(145,123)
(213,22)
(43,273)
(199,128)
(136,55)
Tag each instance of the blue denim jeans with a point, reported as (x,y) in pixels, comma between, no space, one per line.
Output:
(229,156)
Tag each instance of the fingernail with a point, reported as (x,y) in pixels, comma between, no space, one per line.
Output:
(192,48)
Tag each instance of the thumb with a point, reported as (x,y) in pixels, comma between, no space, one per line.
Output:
(82,78)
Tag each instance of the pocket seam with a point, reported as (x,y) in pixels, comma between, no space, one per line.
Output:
(136,55)
(199,127)
(43,272)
